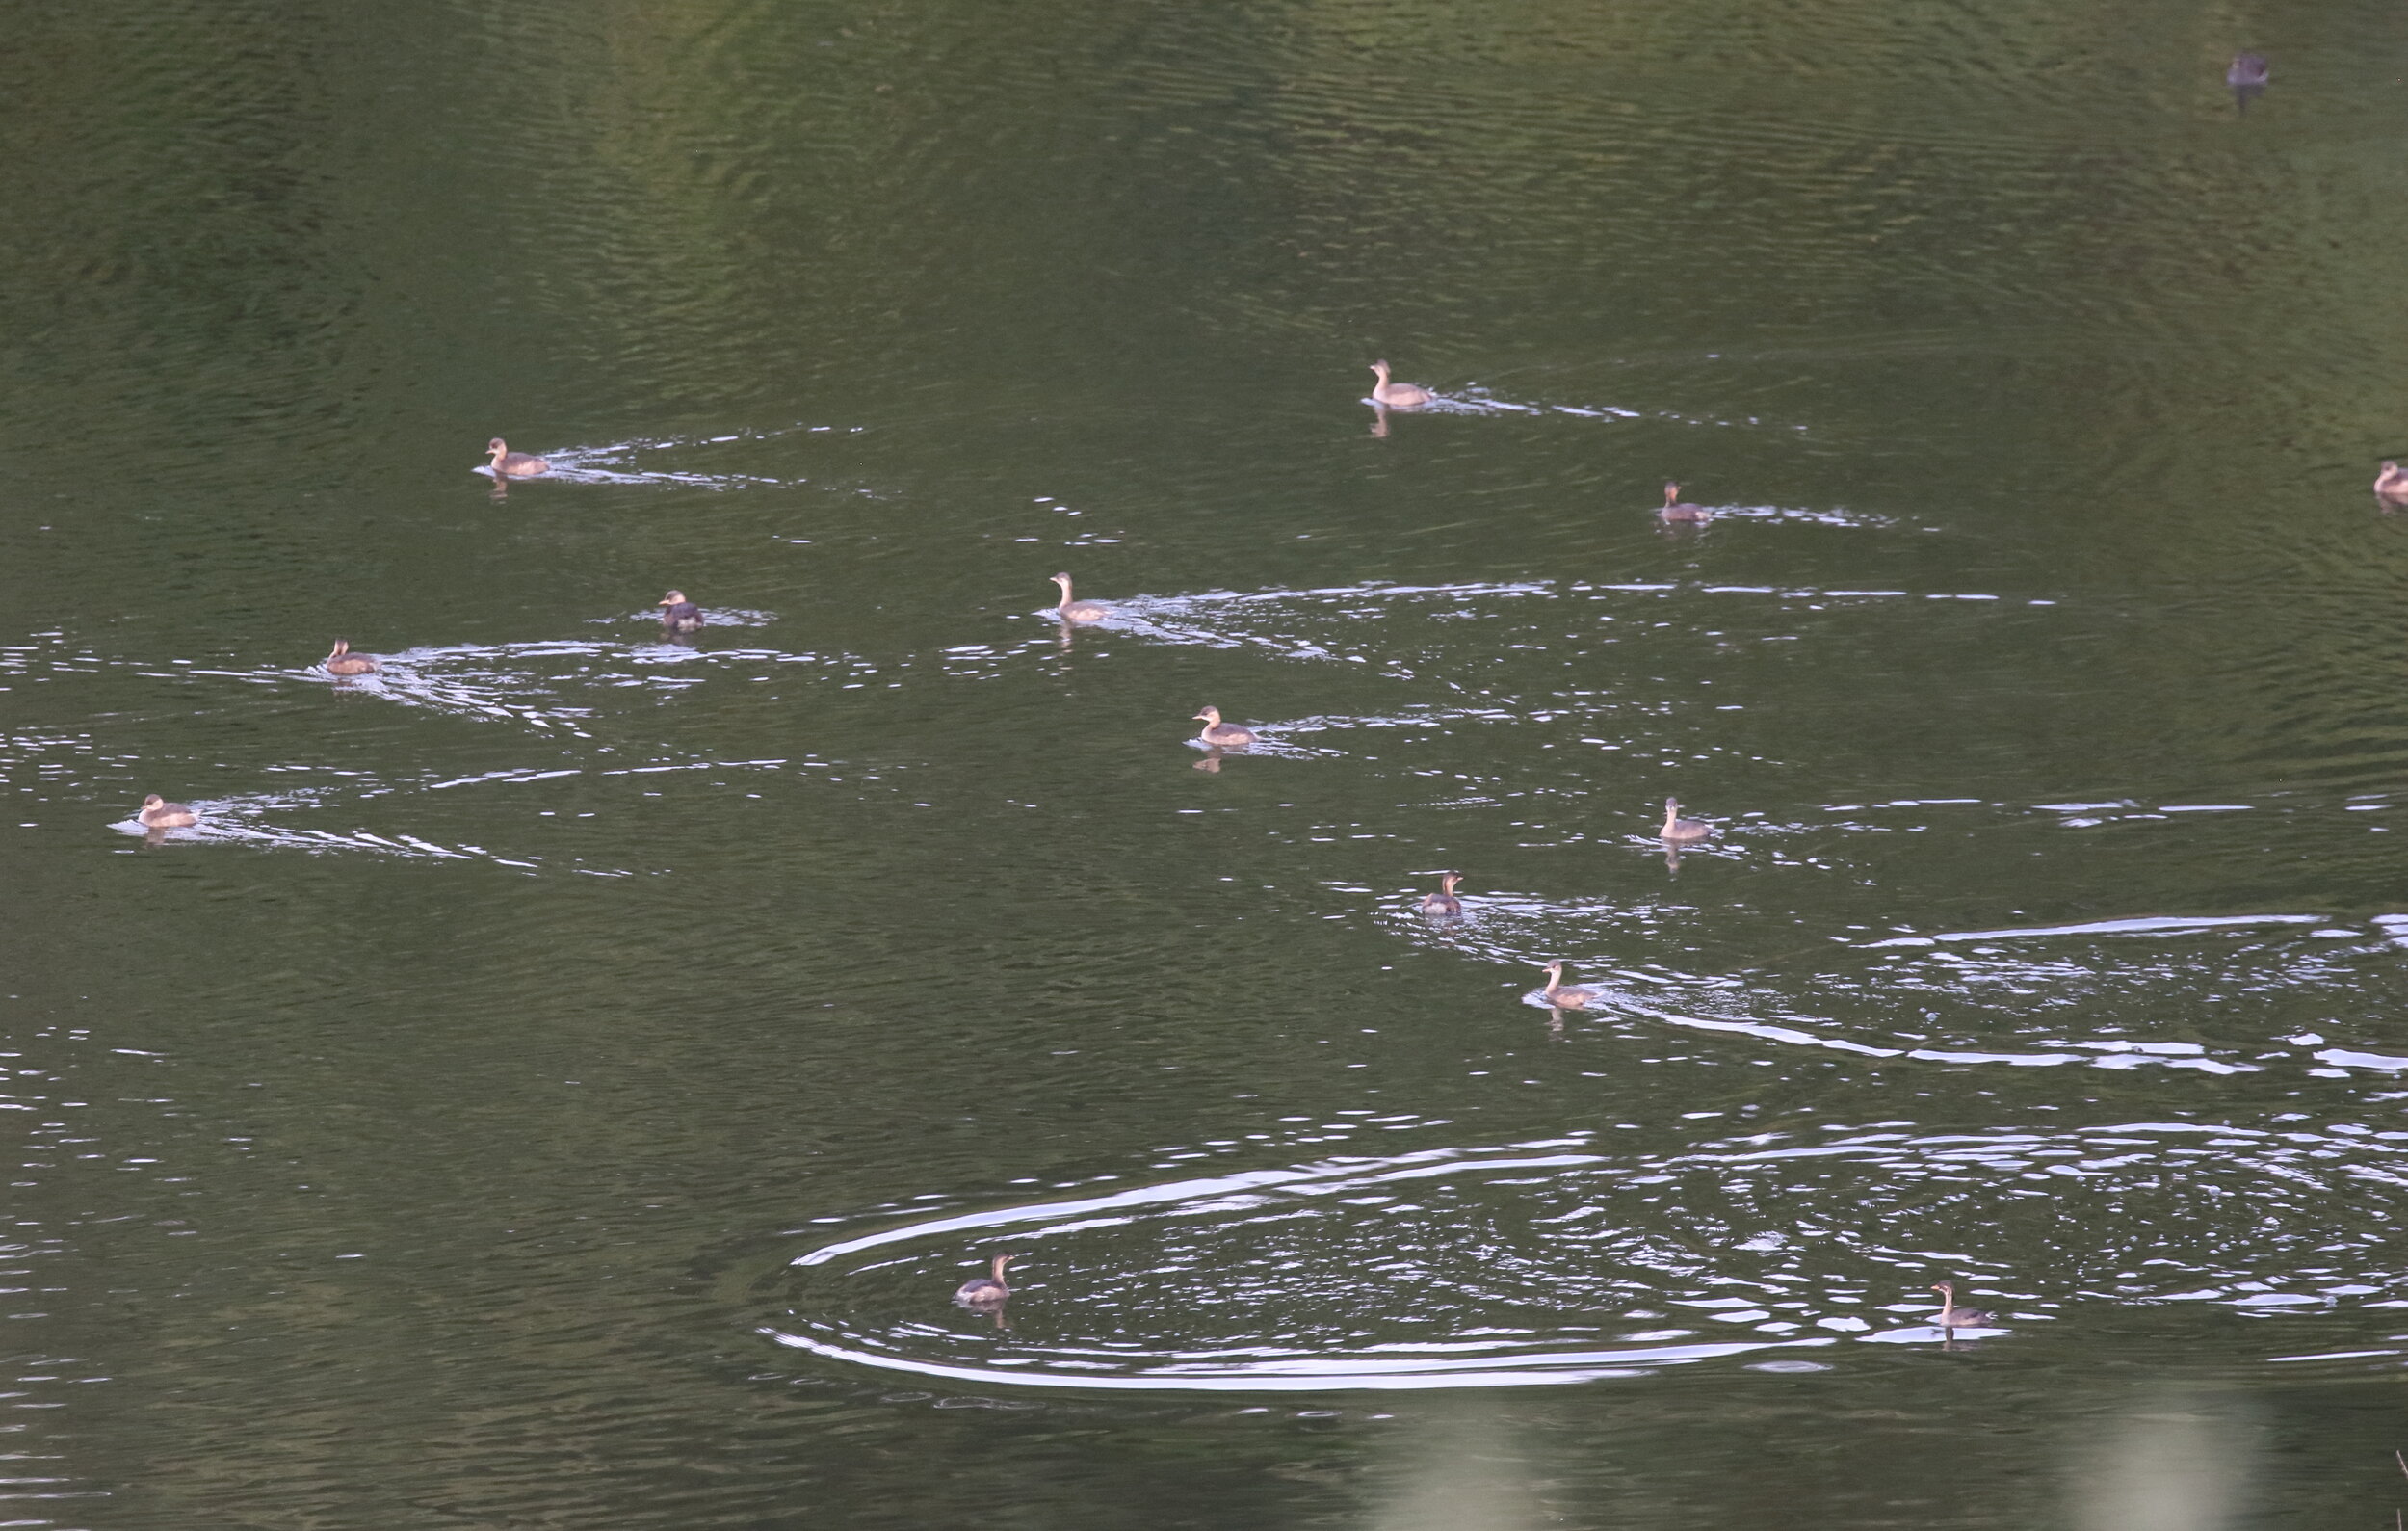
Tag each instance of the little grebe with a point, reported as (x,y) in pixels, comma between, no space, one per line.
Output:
(1078,611)
(1398,395)
(986,1291)
(1678,830)
(1952,1316)
(2392,483)
(157,814)
(343,662)
(2248,77)
(1564,997)
(678,614)
(514,465)
(1228,735)
(1676,508)
(1444,901)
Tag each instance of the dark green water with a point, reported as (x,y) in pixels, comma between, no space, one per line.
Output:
(564,1075)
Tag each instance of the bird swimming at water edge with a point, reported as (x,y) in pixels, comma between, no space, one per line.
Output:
(343,662)
(1444,901)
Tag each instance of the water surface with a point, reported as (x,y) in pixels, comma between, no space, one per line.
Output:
(566,1071)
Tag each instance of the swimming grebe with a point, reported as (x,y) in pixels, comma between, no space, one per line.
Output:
(1678,830)
(157,814)
(678,614)
(1228,735)
(2392,483)
(514,465)
(986,1291)
(1561,996)
(1444,901)
(1676,508)
(2248,77)
(1398,395)
(1078,611)
(343,662)
(1952,1316)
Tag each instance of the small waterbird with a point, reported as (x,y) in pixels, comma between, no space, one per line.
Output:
(1678,830)
(1398,395)
(986,1291)
(157,814)
(1078,611)
(514,465)
(1952,1316)
(1227,735)
(1561,996)
(2248,77)
(678,614)
(1676,508)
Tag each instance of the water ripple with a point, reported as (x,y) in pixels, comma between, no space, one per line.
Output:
(1554,1261)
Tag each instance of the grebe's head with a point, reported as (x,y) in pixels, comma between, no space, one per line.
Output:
(2389,466)
(497,446)
(675,597)
(1210,715)
(1002,1260)
(342,647)
(1448,880)
(154,800)
(1063,580)
(1946,1289)
(1671,492)
(1380,367)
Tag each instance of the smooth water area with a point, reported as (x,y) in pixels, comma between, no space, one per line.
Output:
(565,1073)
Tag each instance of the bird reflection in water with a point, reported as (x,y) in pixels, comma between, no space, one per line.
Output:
(1380,420)
(1210,765)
